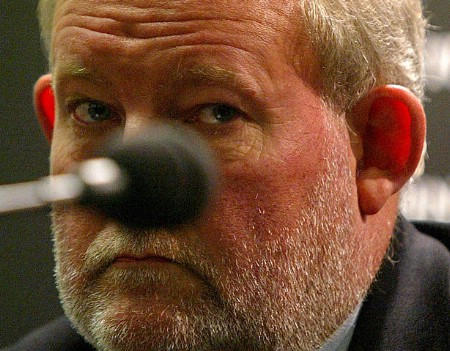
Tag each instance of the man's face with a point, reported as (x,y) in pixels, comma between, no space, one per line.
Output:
(271,263)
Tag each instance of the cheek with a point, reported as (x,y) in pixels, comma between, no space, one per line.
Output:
(259,202)
(66,151)
(71,145)
(74,229)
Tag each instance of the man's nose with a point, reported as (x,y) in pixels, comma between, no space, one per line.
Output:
(166,167)
(134,125)
(137,123)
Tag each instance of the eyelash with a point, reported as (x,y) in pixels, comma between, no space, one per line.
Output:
(74,105)
(219,108)
(194,115)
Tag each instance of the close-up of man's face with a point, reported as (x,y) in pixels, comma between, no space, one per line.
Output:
(280,257)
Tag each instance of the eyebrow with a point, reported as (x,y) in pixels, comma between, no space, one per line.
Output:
(201,74)
(215,75)
(74,70)
(206,73)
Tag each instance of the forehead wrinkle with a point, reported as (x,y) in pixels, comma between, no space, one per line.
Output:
(181,10)
(133,20)
(165,28)
(126,25)
(117,11)
(113,37)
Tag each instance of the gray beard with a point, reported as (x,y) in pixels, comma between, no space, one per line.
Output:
(299,296)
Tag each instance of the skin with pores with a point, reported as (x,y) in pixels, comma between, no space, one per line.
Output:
(284,253)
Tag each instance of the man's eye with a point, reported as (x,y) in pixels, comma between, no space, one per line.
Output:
(91,112)
(217,114)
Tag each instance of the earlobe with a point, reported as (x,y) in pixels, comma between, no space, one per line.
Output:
(391,123)
(44,105)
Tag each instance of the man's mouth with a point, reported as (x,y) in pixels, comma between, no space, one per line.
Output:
(142,259)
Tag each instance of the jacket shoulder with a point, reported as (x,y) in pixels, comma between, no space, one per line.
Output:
(408,303)
(438,230)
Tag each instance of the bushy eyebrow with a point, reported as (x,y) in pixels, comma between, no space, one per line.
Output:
(196,73)
(74,70)
(206,73)
(200,74)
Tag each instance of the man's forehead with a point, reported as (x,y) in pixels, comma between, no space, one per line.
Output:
(169,6)
(143,34)
(146,11)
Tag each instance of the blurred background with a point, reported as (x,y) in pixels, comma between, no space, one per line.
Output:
(28,297)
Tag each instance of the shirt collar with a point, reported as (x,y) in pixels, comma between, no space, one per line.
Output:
(340,340)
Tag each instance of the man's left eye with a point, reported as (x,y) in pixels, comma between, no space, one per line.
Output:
(88,112)
(217,114)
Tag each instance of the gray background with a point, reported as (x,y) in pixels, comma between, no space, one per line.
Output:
(27,296)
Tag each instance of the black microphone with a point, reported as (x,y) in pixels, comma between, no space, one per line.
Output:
(163,177)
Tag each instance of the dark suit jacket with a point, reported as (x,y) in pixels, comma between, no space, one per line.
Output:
(407,308)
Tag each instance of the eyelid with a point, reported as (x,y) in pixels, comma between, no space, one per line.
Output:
(249,109)
(194,114)
(202,96)
(74,99)
(72,104)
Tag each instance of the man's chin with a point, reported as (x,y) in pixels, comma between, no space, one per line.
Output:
(122,326)
(148,322)
(139,310)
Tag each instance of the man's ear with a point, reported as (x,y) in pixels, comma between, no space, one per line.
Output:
(390,122)
(44,104)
